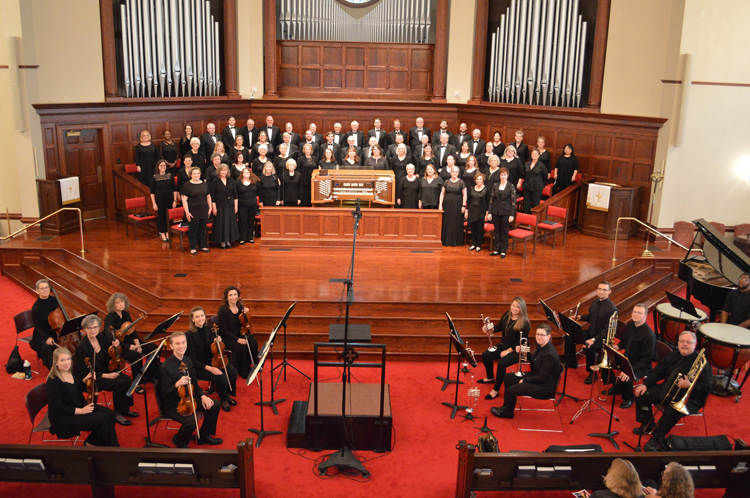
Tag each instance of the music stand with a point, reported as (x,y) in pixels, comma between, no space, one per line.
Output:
(681,304)
(136,382)
(257,371)
(163,326)
(268,348)
(458,344)
(285,363)
(552,316)
(73,325)
(447,379)
(572,329)
(622,364)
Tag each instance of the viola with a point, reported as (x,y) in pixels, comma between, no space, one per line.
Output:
(219,359)
(92,395)
(186,406)
(127,328)
(116,362)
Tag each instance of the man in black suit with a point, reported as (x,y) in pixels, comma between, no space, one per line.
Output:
(229,133)
(397,131)
(476,144)
(522,150)
(417,151)
(338,137)
(294,137)
(392,149)
(209,140)
(639,343)
(293,149)
(309,141)
(541,382)
(317,137)
(378,133)
(272,132)
(250,132)
(330,144)
(600,312)
(359,136)
(442,131)
(443,150)
(415,134)
(461,137)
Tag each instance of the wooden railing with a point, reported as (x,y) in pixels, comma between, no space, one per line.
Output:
(126,187)
(567,199)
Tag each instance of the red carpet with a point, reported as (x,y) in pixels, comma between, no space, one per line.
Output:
(422,463)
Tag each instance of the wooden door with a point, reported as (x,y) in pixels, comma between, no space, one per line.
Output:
(84,158)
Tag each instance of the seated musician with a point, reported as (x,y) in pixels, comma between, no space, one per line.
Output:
(639,343)
(199,340)
(43,338)
(69,414)
(94,347)
(234,333)
(513,325)
(132,350)
(672,369)
(736,309)
(598,317)
(178,370)
(541,382)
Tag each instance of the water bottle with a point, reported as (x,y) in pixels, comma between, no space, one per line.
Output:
(27,369)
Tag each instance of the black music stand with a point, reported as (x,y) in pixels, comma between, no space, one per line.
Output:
(681,304)
(269,348)
(73,325)
(285,363)
(447,379)
(136,382)
(552,316)
(622,364)
(572,329)
(164,326)
(458,344)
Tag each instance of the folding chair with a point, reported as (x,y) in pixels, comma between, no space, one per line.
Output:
(552,400)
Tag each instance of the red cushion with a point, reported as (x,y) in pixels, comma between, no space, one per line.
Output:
(488,227)
(547,190)
(520,233)
(141,218)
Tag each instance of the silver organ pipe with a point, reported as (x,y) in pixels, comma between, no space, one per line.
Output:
(537,54)
(125,52)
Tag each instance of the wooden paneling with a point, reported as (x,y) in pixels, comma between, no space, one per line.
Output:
(349,69)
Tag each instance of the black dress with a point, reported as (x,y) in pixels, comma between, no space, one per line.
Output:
(121,402)
(478,202)
(328,164)
(225,224)
(163,189)
(184,146)
(197,205)
(546,159)
(258,166)
(408,192)
(565,168)
(422,165)
(460,161)
(484,162)
(515,170)
(399,167)
(290,186)
(233,151)
(468,178)
(429,192)
(492,177)
(270,190)
(453,219)
(236,172)
(132,356)
(230,330)
(146,157)
(498,150)
(169,152)
(182,179)
(305,168)
(248,206)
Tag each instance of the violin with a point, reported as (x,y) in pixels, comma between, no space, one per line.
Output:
(220,359)
(186,406)
(92,395)
(115,354)
(245,319)
(127,328)
(57,319)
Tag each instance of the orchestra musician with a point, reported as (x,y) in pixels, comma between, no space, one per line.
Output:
(172,375)
(69,413)
(541,382)
(94,347)
(43,340)
(514,325)
(672,369)
(736,309)
(199,340)
(598,317)
(234,333)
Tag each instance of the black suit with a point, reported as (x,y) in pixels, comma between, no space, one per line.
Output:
(341,139)
(382,139)
(392,137)
(293,137)
(208,144)
(318,138)
(228,138)
(598,318)
(315,149)
(392,152)
(502,206)
(477,147)
(436,136)
(251,136)
(458,139)
(273,134)
(359,135)
(414,136)
(437,150)
(540,383)
(639,349)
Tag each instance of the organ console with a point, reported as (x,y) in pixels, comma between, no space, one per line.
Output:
(371,186)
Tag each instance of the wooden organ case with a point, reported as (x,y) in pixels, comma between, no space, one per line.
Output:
(341,185)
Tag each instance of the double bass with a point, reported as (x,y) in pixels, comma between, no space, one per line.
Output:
(57,319)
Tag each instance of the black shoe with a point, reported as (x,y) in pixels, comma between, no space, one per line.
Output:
(242,242)
(589,379)
(489,396)
(225,406)
(494,253)
(232,402)
(501,412)
(502,254)
(626,404)
(205,249)
(139,390)
(210,440)
(130,414)
(177,444)
(483,381)
(120,419)
(646,430)
(609,391)
(252,241)
(210,390)
(655,444)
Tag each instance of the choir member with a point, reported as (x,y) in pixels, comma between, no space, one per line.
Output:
(407,193)
(185,139)
(453,204)
(306,164)
(224,205)
(169,151)
(468,174)
(239,165)
(522,150)
(502,212)
(270,187)
(163,197)
(477,210)
(248,193)
(376,160)
(259,162)
(535,177)
(430,188)
(146,155)
(544,155)
(196,199)
(291,182)
(566,169)
(498,147)
(329,159)
(399,162)
(239,148)
(43,339)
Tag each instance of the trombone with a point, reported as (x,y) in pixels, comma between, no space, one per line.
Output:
(605,364)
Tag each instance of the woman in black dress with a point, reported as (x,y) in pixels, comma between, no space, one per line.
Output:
(199,160)
(291,183)
(460,160)
(493,172)
(279,162)
(328,160)
(566,169)
(185,140)
(169,151)
(270,187)
(262,140)
(512,326)
(498,147)
(183,176)
(476,213)
(225,207)
(513,164)
(484,157)
(239,166)
(544,155)
(351,160)
(502,211)
(248,192)
(163,197)
(239,148)
(399,162)
(219,149)
(260,162)
(146,155)
(407,193)
(522,150)
(468,174)
(236,336)
(69,414)
(306,164)
(534,178)
(213,168)
(453,205)
(196,199)
(430,188)
(445,173)
(427,158)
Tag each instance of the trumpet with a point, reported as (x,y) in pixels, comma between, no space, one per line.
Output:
(489,329)
(465,364)
(695,370)
(610,341)
(472,392)
(524,351)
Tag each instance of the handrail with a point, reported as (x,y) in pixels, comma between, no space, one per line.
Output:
(646,252)
(80,225)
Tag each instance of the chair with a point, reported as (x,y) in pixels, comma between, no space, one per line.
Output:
(553,226)
(682,420)
(742,230)
(162,417)
(36,400)
(720,227)
(552,400)
(131,169)
(24,321)
(137,203)
(521,233)
(662,349)
(177,214)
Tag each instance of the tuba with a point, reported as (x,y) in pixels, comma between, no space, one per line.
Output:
(611,329)
(698,365)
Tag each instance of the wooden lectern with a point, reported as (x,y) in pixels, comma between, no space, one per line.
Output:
(623,202)
(50,200)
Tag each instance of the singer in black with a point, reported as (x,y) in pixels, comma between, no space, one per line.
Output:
(199,340)
(43,340)
(598,317)
(178,370)
(234,333)
(672,369)
(639,345)
(541,382)
(513,326)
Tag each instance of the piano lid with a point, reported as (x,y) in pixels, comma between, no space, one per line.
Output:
(724,257)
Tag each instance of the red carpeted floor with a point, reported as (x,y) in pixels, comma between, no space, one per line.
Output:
(423,460)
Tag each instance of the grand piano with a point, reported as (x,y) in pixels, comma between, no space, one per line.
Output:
(712,276)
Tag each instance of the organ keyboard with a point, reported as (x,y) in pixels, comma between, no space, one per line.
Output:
(372,186)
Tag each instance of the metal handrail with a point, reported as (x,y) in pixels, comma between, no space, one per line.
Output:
(646,252)
(80,224)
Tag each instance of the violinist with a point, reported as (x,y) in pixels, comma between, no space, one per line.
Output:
(178,371)
(200,337)
(132,349)
(69,414)
(43,341)
(234,331)
(94,347)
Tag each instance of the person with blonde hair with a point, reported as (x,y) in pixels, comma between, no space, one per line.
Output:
(622,481)
(676,482)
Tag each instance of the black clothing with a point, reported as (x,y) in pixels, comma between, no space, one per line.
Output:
(269,151)
(359,136)
(408,192)
(392,137)
(429,192)
(737,304)
(169,152)
(468,178)
(210,174)
(565,168)
(63,398)
(460,162)
(146,157)
(421,165)
(477,147)
(279,164)
(522,151)
(258,165)
(225,224)
(415,135)
(273,134)
(453,219)
(439,133)
(163,189)
(305,168)
(438,151)
(510,339)
(119,385)
(199,351)
(328,164)
(540,383)
(233,151)
(502,206)
(373,163)
(492,177)
(229,135)
(208,143)
(459,138)
(534,180)
(515,170)
(250,135)
(598,318)
(132,356)
(498,150)
(199,161)
(393,151)
(478,203)
(40,312)
(399,166)
(184,146)
(270,190)
(291,187)
(484,162)
(197,205)
(546,159)
(248,205)
(230,330)
(182,179)
(236,172)
(640,343)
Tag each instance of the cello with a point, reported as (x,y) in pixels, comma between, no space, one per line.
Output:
(57,319)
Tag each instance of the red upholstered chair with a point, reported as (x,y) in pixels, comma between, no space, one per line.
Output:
(142,216)
(553,226)
(519,197)
(684,231)
(720,227)
(131,169)
(174,217)
(741,230)
(489,229)
(522,233)
(578,177)
(547,191)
